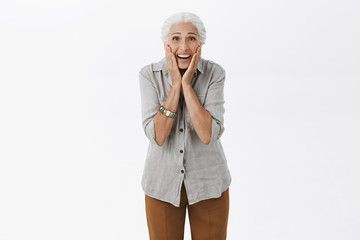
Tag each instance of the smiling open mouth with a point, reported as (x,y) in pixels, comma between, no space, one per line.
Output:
(183,56)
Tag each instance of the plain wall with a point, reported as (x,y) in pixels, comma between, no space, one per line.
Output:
(72,148)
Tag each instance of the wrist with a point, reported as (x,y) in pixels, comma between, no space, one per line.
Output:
(176,85)
(185,84)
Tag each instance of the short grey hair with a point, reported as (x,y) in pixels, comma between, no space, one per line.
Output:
(183,17)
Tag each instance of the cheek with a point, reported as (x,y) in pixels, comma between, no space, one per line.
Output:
(194,47)
(171,44)
(173,47)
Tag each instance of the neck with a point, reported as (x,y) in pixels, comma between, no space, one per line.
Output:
(182,71)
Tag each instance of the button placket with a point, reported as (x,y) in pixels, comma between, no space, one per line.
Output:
(181,129)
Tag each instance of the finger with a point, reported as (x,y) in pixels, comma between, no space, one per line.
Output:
(198,53)
(192,62)
(167,51)
(199,56)
(170,50)
(195,57)
(173,58)
(172,63)
(171,55)
(168,56)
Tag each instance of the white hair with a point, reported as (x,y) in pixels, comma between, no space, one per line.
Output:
(183,17)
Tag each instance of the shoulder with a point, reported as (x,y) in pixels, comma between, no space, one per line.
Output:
(149,74)
(152,67)
(213,67)
(213,70)
(145,70)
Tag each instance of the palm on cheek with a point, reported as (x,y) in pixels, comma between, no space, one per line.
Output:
(174,69)
(172,64)
(188,75)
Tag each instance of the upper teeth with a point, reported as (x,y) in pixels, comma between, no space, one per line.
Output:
(184,55)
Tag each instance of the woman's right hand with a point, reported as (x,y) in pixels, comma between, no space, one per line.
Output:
(172,66)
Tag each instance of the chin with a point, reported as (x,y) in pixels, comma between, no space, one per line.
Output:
(183,66)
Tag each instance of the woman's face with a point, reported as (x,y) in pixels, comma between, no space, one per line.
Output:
(183,39)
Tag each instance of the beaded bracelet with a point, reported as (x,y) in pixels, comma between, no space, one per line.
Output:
(167,113)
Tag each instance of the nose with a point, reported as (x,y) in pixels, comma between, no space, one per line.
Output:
(184,45)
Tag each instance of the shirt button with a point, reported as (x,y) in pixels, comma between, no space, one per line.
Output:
(182,171)
(181,130)
(181,151)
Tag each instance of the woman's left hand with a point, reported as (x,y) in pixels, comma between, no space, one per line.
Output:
(188,75)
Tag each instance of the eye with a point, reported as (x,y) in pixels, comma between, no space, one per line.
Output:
(175,38)
(192,38)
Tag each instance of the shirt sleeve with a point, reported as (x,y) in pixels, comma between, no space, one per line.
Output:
(214,104)
(149,103)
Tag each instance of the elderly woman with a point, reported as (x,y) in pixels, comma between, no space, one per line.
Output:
(182,99)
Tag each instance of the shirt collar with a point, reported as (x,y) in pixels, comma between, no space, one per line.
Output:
(163,66)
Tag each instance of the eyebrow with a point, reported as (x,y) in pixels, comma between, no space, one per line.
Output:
(180,33)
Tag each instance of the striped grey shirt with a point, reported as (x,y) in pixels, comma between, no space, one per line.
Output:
(183,157)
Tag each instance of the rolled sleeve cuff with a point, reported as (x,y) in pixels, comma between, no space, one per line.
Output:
(150,132)
(217,130)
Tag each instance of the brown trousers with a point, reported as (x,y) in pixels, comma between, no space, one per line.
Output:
(208,218)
